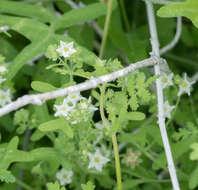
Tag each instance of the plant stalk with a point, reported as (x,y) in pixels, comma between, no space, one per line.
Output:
(160,101)
(106,27)
(114,140)
(124,15)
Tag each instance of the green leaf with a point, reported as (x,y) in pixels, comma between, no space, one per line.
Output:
(135,116)
(194,153)
(193,182)
(6,176)
(88,186)
(24,9)
(85,14)
(42,86)
(54,186)
(11,154)
(188,9)
(56,124)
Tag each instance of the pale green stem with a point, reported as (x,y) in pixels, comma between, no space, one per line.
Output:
(117,162)
(106,27)
(114,140)
(124,15)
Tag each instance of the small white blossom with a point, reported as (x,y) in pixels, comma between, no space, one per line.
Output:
(5,97)
(66,49)
(185,86)
(2,80)
(64,108)
(167,80)
(97,161)
(74,97)
(168,109)
(4,28)
(64,176)
(3,68)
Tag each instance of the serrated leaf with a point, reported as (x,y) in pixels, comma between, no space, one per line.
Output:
(57,124)
(54,186)
(136,116)
(88,186)
(6,176)
(188,9)
(42,86)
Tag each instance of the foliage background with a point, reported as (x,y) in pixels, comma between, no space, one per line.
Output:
(34,26)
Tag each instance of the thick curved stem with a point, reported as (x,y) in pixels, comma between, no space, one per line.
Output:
(161,119)
(173,43)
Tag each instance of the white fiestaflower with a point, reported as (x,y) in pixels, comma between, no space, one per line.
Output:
(97,160)
(66,49)
(64,176)
(166,80)
(168,109)
(5,97)
(185,86)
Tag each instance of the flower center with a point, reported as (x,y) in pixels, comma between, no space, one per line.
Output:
(63,108)
(184,84)
(65,176)
(164,80)
(3,97)
(97,160)
(66,49)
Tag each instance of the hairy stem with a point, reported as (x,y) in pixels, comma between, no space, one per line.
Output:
(160,101)
(117,162)
(114,140)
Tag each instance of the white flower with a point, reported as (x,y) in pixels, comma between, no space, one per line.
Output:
(64,176)
(66,49)
(5,97)
(97,161)
(3,69)
(74,97)
(166,80)
(185,86)
(2,80)
(4,28)
(168,109)
(64,108)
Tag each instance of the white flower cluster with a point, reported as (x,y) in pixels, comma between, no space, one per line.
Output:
(75,108)
(97,160)
(184,87)
(64,176)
